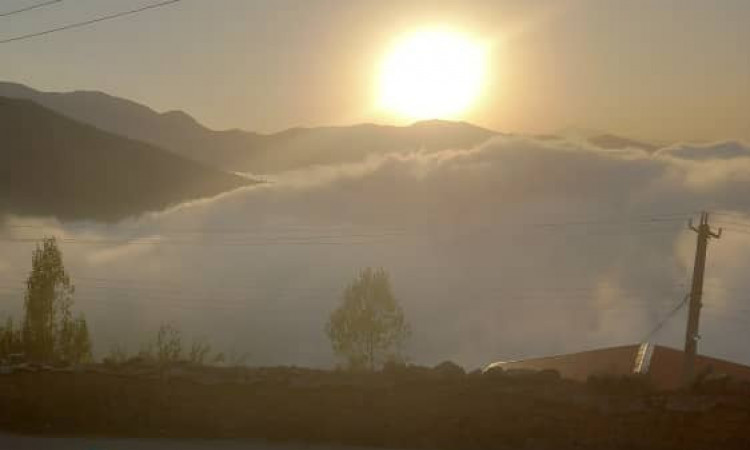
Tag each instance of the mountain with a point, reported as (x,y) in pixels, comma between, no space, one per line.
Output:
(51,165)
(303,147)
(243,151)
(604,140)
(174,130)
(611,141)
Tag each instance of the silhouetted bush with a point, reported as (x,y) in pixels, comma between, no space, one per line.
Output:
(449,369)
(620,384)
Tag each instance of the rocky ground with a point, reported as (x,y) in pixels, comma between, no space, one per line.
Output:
(397,408)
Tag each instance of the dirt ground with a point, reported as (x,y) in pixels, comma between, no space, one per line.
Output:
(17,442)
(410,408)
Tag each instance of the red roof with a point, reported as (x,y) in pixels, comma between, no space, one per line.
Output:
(662,365)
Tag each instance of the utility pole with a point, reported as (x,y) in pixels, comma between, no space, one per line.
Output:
(696,293)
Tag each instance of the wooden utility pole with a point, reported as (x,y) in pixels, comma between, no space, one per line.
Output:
(696,293)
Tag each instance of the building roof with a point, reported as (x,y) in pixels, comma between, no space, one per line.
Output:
(662,365)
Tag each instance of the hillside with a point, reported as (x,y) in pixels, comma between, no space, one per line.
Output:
(242,151)
(52,165)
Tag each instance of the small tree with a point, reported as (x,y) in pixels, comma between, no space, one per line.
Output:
(11,340)
(117,355)
(369,327)
(199,351)
(168,344)
(78,347)
(49,331)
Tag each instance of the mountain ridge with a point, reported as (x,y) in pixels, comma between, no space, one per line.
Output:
(237,150)
(52,165)
(246,151)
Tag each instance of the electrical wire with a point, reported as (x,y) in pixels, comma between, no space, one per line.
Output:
(259,238)
(88,22)
(666,319)
(627,220)
(30,8)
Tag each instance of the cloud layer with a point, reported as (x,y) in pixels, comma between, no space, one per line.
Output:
(518,247)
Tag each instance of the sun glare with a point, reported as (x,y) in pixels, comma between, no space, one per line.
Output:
(432,75)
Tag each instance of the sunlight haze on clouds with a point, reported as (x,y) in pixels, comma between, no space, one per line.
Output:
(485,247)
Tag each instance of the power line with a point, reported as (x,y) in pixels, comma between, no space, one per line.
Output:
(29,8)
(276,229)
(625,220)
(313,240)
(161,232)
(732,223)
(329,239)
(737,214)
(256,236)
(738,317)
(637,221)
(666,319)
(18,286)
(303,241)
(737,230)
(207,302)
(88,22)
(111,292)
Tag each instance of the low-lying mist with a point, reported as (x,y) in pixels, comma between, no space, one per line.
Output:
(517,248)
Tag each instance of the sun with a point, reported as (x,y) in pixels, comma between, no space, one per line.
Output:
(432,75)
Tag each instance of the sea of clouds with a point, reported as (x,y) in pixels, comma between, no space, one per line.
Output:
(519,247)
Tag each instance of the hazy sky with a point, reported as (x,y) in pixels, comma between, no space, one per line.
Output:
(657,69)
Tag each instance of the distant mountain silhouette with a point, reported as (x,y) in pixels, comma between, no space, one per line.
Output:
(51,165)
(603,140)
(611,141)
(242,151)
(302,147)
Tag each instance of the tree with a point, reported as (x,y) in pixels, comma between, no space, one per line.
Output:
(49,331)
(76,344)
(199,351)
(117,355)
(369,327)
(168,344)
(168,348)
(11,340)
